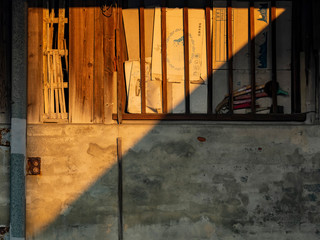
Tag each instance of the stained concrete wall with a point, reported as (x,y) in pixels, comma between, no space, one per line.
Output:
(238,182)
(4,175)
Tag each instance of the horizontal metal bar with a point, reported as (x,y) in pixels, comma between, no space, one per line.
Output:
(300,117)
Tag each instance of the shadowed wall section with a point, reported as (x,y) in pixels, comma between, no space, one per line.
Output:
(242,182)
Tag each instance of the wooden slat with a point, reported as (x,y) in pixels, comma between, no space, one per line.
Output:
(164,58)
(35,65)
(230,54)
(252,56)
(55,78)
(209,58)
(109,55)
(51,89)
(62,86)
(45,58)
(81,39)
(61,23)
(142,57)
(186,57)
(274,55)
(55,20)
(98,100)
(216,117)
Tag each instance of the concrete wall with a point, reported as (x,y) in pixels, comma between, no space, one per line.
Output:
(4,176)
(235,182)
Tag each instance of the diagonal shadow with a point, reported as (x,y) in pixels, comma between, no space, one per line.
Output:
(173,186)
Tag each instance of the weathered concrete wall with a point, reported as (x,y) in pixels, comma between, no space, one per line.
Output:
(4,175)
(242,182)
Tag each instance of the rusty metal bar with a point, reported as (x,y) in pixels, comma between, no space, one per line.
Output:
(252,56)
(209,57)
(274,56)
(142,57)
(119,66)
(300,117)
(120,189)
(230,54)
(295,56)
(164,57)
(186,56)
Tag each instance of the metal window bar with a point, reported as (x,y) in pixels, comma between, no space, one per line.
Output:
(295,55)
(142,58)
(273,17)
(252,56)
(164,57)
(186,57)
(209,116)
(209,58)
(230,54)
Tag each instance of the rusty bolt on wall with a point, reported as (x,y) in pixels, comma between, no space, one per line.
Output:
(33,165)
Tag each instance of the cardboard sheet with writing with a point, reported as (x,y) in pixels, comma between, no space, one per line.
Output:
(175,58)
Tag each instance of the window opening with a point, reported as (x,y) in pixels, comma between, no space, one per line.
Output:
(55,60)
(194,68)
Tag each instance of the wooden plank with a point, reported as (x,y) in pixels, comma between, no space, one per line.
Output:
(252,56)
(45,58)
(274,55)
(164,59)
(209,58)
(61,87)
(142,57)
(81,39)
(230,54)
(55,81)
(301,117)
(61,24)
(109,72)
(186,57)
(51,88)
(55,20)
(35,65)
(98,100)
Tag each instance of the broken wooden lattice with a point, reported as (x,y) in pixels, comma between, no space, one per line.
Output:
(54,53)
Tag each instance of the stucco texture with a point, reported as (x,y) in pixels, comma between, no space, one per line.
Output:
(180,181)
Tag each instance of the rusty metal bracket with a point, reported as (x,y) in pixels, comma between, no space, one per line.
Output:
(34,166)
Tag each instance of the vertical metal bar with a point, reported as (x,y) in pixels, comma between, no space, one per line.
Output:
(142,57)
(186,56)
(274,56)
(120,188)
(230,54)
(252,56)
(209,57)
(120,86)
(295,55)
(164,57)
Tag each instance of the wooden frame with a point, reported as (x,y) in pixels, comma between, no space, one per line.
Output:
(296,116)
